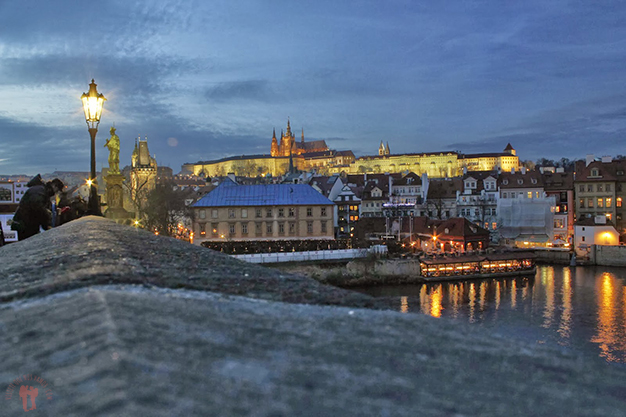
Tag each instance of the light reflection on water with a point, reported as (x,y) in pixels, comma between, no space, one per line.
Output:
(583,307)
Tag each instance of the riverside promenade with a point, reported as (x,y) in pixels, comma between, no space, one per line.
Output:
(119,322)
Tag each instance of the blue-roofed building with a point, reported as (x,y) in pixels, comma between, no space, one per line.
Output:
(262,212)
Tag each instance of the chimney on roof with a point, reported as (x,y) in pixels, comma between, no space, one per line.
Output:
(560,170)
(589,159)
(523,170)
(232,176)
(607,159)
(513,170)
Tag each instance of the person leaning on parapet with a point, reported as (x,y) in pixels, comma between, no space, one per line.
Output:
(35,209)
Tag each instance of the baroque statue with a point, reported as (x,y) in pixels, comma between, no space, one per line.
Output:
(113,143)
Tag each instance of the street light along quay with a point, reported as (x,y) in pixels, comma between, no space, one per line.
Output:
(92,104)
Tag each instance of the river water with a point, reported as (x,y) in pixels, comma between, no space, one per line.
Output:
(579,308)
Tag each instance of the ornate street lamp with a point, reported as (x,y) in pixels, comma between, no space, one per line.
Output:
(92,104)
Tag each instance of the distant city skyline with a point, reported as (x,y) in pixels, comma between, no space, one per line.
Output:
(205,81)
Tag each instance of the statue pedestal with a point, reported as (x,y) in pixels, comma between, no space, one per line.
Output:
(115,200)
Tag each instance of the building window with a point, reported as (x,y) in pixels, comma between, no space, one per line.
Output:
(257,213)
(244,213)
(581,188)
(257,228)
(281,212)
(268,228)
(354,208)
(323,212)
(231,213)
(608,187)
(309,212)
(594,172)
(214,229)
(202,227)
(244,228)
(231,228)
(609,202)
(292,212)
(559,224)
(530,194)
(324,226)
(600,188)
(268,213)
(581,203)
(214,214)
(309,227)
(494,225)
(590,188)
(292,228)
(590,202)
(609,216)
(281,228)
(202,214)
(600,202)
(504,195)
(583,238)
(618,202)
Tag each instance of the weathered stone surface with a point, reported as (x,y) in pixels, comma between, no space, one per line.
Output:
(127,349)
(93,250)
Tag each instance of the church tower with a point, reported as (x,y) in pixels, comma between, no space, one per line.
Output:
(143,175)
(274,151)
(381,148)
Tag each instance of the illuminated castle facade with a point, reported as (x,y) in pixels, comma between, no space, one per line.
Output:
(316,155)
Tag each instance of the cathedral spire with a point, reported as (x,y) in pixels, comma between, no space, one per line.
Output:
(302,140)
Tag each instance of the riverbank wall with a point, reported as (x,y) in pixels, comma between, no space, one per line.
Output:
(360,272)
(553,256)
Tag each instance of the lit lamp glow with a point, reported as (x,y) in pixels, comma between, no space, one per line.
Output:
(93,102)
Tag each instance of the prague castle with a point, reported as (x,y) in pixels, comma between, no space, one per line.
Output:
(316,155)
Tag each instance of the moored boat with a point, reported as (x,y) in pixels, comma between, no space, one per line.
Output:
(464,267)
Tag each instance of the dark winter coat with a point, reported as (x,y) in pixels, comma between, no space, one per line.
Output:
(34,211)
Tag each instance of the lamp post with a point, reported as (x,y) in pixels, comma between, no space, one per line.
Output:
(92,104)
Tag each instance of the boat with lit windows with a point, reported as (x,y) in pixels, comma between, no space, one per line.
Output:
(466,267)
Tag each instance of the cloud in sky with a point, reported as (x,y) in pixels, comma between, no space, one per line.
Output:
(207,80)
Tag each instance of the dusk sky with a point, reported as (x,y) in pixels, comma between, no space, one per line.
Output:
(208,79)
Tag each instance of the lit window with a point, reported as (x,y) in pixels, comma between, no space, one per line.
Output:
(608,202)
(600,202)
(530,194)
(202,229)
(618,202)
